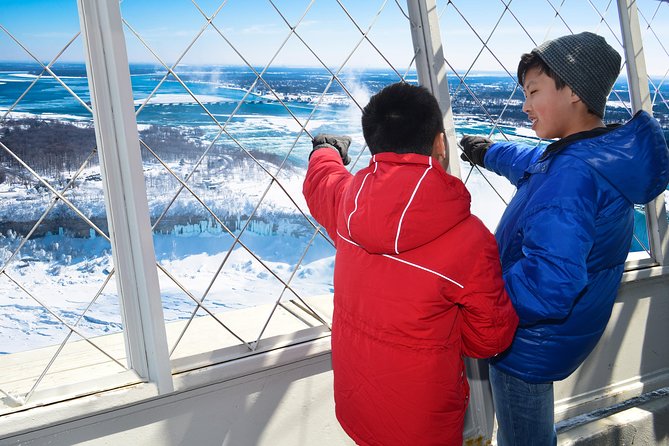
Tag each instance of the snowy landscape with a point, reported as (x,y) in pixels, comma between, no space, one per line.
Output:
(243,174)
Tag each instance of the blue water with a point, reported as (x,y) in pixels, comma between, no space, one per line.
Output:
(221,89)
(300,87)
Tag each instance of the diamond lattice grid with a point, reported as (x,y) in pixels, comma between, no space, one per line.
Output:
(492,106)
(251,125)
(56,287)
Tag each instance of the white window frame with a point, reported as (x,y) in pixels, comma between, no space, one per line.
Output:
(637,78)
(124,190)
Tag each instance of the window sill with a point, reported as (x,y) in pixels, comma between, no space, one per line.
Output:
(80,377)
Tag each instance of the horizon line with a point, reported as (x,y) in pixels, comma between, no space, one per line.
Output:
(357,68)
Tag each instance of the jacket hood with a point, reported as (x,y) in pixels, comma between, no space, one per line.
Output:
(400,202)
(632,157)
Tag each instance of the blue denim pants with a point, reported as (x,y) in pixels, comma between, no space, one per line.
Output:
(524,411)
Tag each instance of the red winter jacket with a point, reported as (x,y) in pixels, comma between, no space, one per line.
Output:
(418,285)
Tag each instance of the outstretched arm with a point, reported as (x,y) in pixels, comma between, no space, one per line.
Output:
(323,187)
(511,159)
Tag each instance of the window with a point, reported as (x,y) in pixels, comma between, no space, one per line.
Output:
(483,46)
(227,98)
(57,288)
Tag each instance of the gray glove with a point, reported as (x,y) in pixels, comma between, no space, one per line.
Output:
(339,143)
(474,149)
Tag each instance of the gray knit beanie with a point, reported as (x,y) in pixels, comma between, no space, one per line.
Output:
(586,63)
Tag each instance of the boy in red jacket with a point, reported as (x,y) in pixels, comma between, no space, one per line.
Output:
(417,278)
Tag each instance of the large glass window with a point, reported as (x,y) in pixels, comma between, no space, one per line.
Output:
(57,293)
(227,98)
(482,52)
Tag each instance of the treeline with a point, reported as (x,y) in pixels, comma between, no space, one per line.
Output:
(171,143)
(495,105)
(48,147)
(56,148)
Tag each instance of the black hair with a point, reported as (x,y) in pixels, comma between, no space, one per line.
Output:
(402,118)
(532,60)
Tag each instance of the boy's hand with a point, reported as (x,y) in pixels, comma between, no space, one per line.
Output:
(339,143)
(474,149)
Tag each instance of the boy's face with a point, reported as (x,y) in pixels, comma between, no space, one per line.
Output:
(550,110)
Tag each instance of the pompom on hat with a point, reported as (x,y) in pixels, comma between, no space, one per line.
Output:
(586,63)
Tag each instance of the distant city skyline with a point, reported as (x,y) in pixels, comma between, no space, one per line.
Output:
(257,30)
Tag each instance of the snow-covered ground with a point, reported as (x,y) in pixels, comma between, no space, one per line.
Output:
(63,273)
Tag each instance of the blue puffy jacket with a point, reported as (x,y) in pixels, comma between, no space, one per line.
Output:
(565,235)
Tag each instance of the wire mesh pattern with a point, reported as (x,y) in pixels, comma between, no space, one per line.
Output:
(274,177)
(47,185)
(496,41)
(652,18)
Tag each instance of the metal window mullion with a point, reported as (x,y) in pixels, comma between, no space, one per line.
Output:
(124,191)
(637,80)
(431,68)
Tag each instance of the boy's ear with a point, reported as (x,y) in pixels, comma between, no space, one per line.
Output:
(439,145)
(439,148)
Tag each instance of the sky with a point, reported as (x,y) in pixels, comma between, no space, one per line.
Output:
(259,33)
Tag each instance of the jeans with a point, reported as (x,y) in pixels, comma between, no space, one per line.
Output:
(524,411)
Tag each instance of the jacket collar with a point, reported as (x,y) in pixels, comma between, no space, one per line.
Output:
(564,142)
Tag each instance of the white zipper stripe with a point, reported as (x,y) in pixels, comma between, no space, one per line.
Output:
(399,226)
(405,262)
(348,220)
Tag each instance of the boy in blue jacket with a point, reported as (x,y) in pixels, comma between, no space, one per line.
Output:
(566,233)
